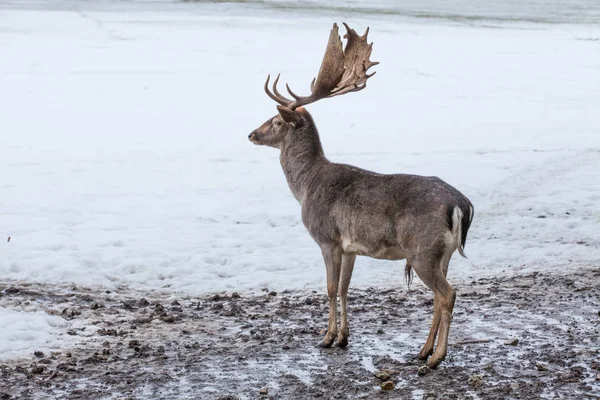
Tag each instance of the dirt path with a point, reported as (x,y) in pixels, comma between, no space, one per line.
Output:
(229,346)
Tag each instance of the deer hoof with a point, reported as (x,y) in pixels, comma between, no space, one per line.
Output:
(341,342)
(325,343)
(434,362)
(424,355)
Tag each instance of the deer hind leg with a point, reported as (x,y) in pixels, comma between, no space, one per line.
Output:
(433,274)
(427,349)
(333,263)
(346,275)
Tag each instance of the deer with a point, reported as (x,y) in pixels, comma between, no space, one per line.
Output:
(351,212)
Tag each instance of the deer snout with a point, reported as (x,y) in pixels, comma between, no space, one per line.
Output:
(253,136)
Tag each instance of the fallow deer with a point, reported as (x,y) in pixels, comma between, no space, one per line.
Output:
(349,211)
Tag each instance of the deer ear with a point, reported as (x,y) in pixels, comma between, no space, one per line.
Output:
(289,116)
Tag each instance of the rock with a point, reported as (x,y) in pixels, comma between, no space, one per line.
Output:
(96,306)
(143,302)
(384,376)
(598,377)
(475,381)
(488,367)
(4,396)
(216,297)
(235,295)
(12,290)
(168,318)
(389,385)
(423,369)
(38,369)
(541,367)
(38,354)
(134,343)
(175,303)
(264,391)
(512,342)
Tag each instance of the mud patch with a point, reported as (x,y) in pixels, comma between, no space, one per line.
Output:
(531,336)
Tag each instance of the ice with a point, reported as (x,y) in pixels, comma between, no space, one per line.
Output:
(124,158)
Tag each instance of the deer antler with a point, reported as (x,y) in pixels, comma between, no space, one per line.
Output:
(342,70)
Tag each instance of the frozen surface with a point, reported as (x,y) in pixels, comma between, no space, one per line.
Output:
(124,158)
(21,332)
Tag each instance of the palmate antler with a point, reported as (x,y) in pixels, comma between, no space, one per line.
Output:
(342,70)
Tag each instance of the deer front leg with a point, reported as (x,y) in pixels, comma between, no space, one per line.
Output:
(346,275)
(333,263)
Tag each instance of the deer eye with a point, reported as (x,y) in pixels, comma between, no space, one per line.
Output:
(277,123)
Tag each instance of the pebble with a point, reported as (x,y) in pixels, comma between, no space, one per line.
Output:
(475,381)
(273,293)
(384,376)
(389,385)
(235,295)
(167,318)
(38,354)
(143,302)
(263,391)
(512,342)
(541,367)
(423,369)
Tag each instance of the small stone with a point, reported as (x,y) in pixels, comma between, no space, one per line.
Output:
(384,376)
(389,385)
(143,302)
(541,367)
(475,381)
(488,367)
(263,391)
(216,297)
(273,293)
(380,331)
(134,343)
(38,369)
(175,303)
(512,342)
(598,377)
(235,295)
(285,347)
(11,290)
(168,318)
(38,354)
(95,306)
(423,369)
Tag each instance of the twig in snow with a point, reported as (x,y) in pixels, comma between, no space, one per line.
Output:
(469,342)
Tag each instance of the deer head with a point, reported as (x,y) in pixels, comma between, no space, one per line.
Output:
(343,70)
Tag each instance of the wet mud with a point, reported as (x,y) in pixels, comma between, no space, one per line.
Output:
(524,337)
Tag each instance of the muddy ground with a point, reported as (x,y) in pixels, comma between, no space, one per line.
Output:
(532,336)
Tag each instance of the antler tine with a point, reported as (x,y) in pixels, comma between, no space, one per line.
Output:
(271,95)
(277,92)
(294,95)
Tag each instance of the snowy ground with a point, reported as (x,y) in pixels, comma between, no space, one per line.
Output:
(124,159)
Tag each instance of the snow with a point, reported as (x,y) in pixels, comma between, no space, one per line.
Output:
(124,158)
(23,332)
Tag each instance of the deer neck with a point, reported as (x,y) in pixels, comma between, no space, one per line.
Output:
(301,158)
